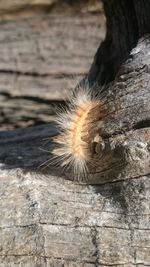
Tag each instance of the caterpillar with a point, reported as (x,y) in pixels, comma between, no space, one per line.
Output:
(78,142)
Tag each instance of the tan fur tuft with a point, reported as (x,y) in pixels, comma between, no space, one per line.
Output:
(73,144)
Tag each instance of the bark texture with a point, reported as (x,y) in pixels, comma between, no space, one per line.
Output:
(127,21)
(49,221)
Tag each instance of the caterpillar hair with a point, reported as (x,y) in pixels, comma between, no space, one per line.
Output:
(78,131)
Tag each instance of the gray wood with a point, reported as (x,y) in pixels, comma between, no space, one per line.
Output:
(47,220)
(41,58)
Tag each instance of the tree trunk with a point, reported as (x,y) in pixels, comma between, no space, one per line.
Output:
(47,220)
(127,21)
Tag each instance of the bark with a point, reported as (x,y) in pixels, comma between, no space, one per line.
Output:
(47,220)
(127,21)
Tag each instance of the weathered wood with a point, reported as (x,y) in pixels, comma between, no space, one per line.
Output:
(47,220)
(8,6)
(50,221)
(39,60)
(15,8)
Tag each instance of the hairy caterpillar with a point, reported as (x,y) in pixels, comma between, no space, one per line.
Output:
(76,145)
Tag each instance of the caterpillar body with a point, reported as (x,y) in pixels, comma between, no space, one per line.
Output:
(75,145)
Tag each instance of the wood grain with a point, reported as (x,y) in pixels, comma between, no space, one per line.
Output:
(47,220)
(41,58)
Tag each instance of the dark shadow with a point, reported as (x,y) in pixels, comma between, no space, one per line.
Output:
(26,148)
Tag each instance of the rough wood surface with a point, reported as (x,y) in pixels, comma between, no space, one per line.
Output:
(7,5)
(39,59)
(16,9)
(50,221)
(127,21)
